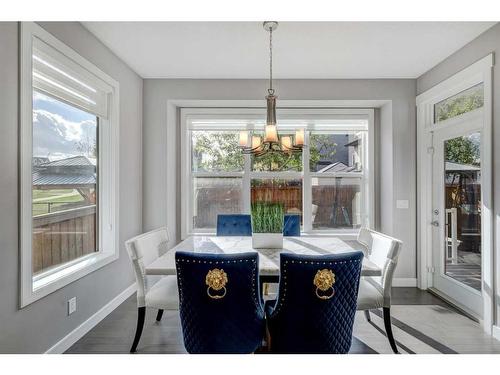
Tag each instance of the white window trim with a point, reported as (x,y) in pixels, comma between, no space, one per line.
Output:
(188,114)
(32,290)
(479,72)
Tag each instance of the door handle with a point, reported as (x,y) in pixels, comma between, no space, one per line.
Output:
(435,223)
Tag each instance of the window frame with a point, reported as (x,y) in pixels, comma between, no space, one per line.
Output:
(34,288)
(247,117)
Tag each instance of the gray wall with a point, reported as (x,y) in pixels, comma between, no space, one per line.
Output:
(397,139)
(40,325)
(483,45)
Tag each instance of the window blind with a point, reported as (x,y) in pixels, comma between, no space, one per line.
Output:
(57,75)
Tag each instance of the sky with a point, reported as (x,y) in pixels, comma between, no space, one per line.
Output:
(57,128)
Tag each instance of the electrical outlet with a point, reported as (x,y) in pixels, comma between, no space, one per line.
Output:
(71,305)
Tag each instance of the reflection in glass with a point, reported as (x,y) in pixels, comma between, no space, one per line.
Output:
(213,196)
(463,209)
(64,174)
(336,203)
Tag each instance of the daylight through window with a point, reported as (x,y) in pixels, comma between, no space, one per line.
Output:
(329,186)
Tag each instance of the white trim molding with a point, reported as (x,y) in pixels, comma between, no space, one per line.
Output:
(479,72)
(67,341)
(34,288)
(172,206)
(311,119)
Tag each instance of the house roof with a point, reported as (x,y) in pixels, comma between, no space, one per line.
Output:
(452,166)
(76,171)
(353,143)
(41,179)
(73,161)
(337,167)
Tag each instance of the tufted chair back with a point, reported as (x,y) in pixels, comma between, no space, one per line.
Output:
(316,304)
(234,225)
(143,250)
(220,306)
(384,252)
(291,226)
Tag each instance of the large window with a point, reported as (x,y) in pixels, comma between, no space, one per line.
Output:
(65,174)
(68,165)
(329,185)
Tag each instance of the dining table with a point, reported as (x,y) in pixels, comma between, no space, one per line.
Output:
(269,259)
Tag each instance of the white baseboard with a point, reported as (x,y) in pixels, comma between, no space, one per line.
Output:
(67,341)
(401,282)
(495,332)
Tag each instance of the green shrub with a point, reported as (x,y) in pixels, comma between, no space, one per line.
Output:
(267,217)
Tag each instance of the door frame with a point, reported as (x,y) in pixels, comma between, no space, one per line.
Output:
(479,72)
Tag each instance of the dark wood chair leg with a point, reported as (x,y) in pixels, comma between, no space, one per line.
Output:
(141,315)
(388,329)
(159,315)
(367,315)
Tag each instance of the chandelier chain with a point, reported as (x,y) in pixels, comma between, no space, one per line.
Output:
(271,90)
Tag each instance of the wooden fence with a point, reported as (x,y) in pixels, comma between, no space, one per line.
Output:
(60,237)
(330,200)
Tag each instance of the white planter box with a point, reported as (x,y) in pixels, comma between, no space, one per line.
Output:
(267,240)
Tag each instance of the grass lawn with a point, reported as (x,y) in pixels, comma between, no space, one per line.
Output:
(55,198)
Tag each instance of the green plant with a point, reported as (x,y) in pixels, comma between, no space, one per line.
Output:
(267,217)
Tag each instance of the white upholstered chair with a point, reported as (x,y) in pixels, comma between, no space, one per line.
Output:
(162,295)
(375,292)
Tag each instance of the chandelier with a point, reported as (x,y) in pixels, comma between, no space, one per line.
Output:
(272,142)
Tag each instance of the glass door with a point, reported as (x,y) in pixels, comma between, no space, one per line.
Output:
(457,205)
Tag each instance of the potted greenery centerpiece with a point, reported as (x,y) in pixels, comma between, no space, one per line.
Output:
(267,225)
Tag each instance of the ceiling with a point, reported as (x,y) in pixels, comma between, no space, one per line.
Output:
(301,49)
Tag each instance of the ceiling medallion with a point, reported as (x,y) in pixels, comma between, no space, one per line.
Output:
(272,142)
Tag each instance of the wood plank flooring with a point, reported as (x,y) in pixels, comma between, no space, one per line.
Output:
(422,323)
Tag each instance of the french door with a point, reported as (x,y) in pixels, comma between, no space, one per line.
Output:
(457,213)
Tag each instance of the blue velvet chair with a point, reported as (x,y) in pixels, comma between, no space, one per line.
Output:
(220,306)
(234,225)
(316,304)
(291,226)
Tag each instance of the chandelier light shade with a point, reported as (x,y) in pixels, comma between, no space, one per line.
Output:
(271,142)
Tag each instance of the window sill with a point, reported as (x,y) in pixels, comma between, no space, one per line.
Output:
(58,277)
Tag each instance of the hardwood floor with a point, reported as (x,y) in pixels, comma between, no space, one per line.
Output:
(422,323)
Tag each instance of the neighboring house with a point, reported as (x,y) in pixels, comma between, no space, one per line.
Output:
(337,167)
(455,172)
(347,158)
(39,160)
(74,173)
(77,172)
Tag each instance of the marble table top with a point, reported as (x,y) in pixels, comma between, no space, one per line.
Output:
(269,259)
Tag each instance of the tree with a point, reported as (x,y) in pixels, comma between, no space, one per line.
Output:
(322,147)
(216,151)
(219,151)
(462,150)
(87,146)
(463,103)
